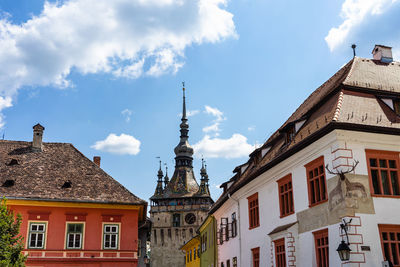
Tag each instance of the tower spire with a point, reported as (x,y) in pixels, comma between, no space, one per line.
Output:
(159,188)
(166,178)
(203,189)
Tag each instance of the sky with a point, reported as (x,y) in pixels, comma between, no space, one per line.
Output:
(107,76)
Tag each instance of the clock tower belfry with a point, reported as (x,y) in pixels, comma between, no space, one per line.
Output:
(179,208)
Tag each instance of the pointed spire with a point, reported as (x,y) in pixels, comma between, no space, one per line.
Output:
(184,103)
(159,188)
(203,189)
(166,178)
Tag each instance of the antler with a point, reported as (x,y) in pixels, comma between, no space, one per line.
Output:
(342,173)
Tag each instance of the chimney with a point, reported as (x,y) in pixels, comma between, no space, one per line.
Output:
(383,53)
(96,160)
(37,143)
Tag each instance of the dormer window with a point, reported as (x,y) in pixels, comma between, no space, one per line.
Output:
(393,103)
(290,134)
(396,106)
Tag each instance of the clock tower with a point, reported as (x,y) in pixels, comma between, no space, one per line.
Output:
(179,206)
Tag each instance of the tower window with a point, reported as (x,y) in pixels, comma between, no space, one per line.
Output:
(176,220)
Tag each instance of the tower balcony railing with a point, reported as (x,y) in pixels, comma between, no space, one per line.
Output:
(179,207)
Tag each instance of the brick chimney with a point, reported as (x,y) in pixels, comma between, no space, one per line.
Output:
(96,160)
(383,53)
(37,143)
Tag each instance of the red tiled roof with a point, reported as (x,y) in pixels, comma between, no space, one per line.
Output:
(43,175)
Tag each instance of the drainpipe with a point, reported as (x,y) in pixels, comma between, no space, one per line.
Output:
(240,236)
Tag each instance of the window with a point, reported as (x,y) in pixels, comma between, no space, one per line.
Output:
(234,262)
(190,255)
(37,232)
(194,253)
(234,225)
(280,255)
(285,190)
(316,181)
(254,219)
(222,264)
(110,236)
(322,248)
(228,263)
(390,240)
(155,236)
(396,105)
(162,236)
(255,252)
(139,245)
(383,169)
(176,220)
(169,233)
(74,235)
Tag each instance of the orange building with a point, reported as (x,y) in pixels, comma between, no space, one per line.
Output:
(73,213)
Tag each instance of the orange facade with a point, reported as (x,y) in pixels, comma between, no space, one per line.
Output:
(78,234)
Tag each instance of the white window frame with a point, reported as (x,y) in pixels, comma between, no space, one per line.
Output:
(108,233)
(74,233)
(37,232)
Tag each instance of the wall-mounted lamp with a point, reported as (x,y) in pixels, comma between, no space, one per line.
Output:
(344,249)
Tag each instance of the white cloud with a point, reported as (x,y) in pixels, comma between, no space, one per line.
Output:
(233,147)
(126,38)
(121,145)
(190,113)
(218,118)
(5,102)
(127,113)
(251,128)
(354,12)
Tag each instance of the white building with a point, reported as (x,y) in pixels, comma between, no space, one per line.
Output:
(334,161)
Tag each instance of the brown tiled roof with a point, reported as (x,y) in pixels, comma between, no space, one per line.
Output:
(348,99)
(45,175)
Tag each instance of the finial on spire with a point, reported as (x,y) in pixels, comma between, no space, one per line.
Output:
(184,102)
(353,46)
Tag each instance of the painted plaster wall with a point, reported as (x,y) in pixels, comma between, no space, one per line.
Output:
(266,187)
(230,248)
(55,239)
(208,258)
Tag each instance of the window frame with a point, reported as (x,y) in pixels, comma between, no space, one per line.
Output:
(390,228)
(254,219)
(255,261)
(287,194)
(279,255)
(30,223)
(118,225)
(318,235)
(81,238)
(312,166)
(176,223)
(386,155)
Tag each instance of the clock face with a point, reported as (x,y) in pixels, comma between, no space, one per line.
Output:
(190,218)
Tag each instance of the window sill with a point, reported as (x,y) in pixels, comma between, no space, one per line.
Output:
(251,228)
(385,196)
(318,203)
(286,215)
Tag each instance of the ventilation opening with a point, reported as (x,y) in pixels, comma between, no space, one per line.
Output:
(67,184)
(13,162)
(8,183)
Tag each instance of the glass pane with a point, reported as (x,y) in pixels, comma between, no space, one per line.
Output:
(395,184)
(373,163)
(321,169)
(385,182)
(32,244)
(79,228)
(312,192)
(322,187)
(107,229)
(40,227)
(34,227)
(375,182)
(71,241)
(71,227)
(315,172)
(382,163)
(318,190)
(392,237)
(392,164)
(384,236)
(386,249)
(114,229)
(394,254)
(77,240)
(311,174)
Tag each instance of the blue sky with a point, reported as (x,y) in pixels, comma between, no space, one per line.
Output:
(106,75)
